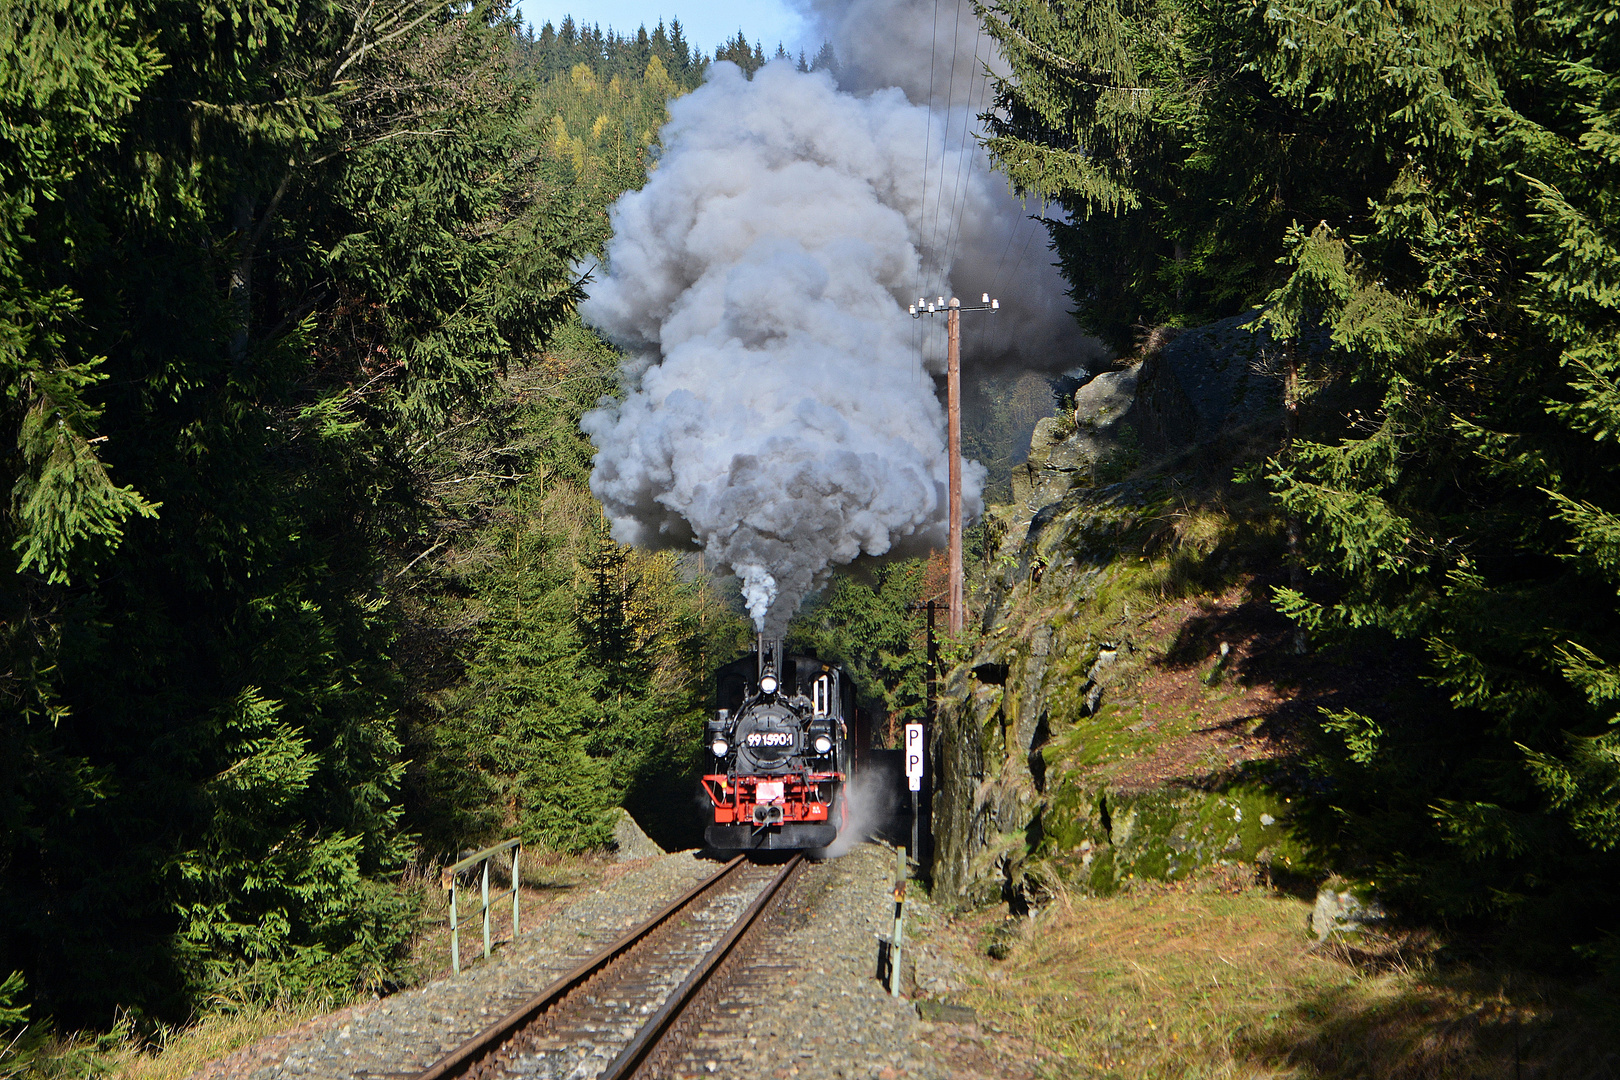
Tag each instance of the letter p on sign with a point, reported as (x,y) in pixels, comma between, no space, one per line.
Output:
(914,756)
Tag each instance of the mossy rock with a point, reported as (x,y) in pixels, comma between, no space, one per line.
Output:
(1098,838)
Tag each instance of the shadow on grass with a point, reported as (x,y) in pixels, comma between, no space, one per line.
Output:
(1446,1022)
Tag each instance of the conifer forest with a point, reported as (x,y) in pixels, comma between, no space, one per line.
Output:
(303,588)
(1418,201)
(304,585)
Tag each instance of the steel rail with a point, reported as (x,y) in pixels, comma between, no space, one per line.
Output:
(655,1039)
(469,1055)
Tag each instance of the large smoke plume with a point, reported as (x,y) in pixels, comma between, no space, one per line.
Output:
(977,236)
(782,418)
(782,411)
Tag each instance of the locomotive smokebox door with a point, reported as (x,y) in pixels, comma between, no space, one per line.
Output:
(779,751)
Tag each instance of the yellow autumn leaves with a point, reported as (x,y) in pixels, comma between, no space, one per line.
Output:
(594,126)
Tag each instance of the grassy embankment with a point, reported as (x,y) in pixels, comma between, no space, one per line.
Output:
(1219,979)
(1214,974)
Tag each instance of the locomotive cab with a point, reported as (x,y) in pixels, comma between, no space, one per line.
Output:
(779,751)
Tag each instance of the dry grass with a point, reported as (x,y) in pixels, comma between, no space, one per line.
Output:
(550,881)
(1170,982)
(189,1049)
(169,1054)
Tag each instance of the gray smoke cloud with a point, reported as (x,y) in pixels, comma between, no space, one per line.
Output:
(781,410)
(781,413)
(977,237)
(933,50)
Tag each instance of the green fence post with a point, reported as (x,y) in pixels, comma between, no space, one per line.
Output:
(455,932)
(449,878)
(486,909)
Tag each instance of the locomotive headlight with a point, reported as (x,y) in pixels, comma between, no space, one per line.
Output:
(823,744)
(767,685)
(719,748)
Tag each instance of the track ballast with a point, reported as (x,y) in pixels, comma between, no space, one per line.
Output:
(624,1012)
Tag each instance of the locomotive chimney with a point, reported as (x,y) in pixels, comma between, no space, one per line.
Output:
(768,651)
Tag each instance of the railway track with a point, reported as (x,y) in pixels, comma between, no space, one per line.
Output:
(625,1012)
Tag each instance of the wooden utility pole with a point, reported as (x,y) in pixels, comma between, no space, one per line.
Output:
(953,405)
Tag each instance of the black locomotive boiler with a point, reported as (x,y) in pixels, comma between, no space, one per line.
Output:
(780,750)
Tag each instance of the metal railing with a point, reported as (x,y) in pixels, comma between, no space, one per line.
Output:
(448,880)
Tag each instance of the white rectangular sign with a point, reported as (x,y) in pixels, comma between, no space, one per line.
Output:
(914,756)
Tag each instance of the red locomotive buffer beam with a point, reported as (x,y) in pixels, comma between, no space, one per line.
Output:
(757,800)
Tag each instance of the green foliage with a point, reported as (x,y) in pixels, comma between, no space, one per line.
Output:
(600,135)
(1431,186)
(739,52)
(557,50)
(585,669)
(874,624)
(69,75)
(270,906)
(249,259)
(564,674)
(20,1041)
(1182,144)
(306,580)
(998,418)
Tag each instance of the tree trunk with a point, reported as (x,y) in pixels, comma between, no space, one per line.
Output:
(1296,557)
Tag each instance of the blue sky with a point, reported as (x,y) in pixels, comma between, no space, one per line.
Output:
(707,22)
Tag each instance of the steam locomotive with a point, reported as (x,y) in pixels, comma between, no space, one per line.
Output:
(781,748)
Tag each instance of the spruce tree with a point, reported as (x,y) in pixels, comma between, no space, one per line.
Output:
(826,60)
(255,258)
(1425,190)
(748,57)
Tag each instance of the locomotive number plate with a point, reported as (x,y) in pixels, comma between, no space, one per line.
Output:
(768,738)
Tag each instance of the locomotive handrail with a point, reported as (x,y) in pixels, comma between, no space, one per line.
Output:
(447,880)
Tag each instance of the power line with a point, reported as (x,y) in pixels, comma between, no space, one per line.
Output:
(957,187)
(922,207)
(1012,234)
(953,237)
(1027,241)
(950,92)
(946,254)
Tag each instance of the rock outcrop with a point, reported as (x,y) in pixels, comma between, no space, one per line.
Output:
(1198,387)
(1342,913)
(1057,634)
(1207,382)
(1066,451)
(630,843)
